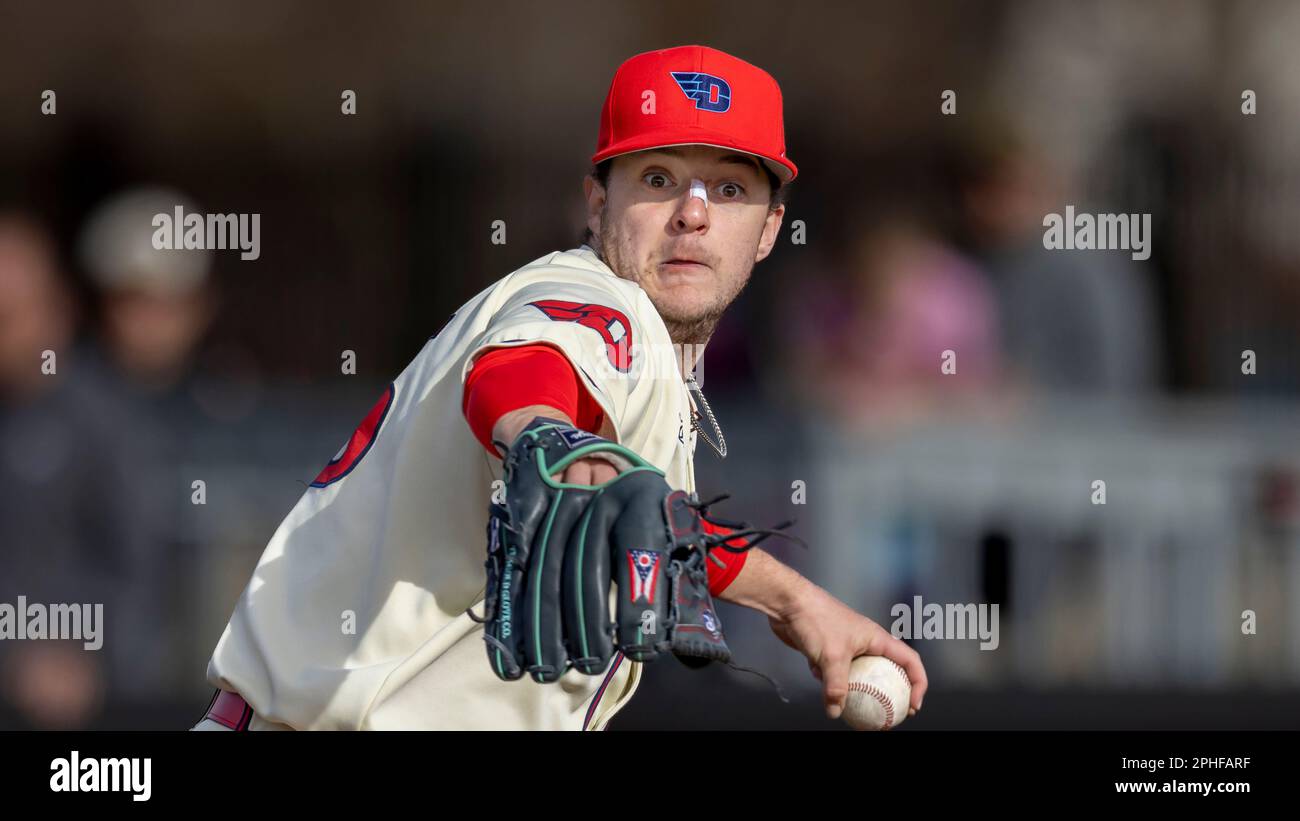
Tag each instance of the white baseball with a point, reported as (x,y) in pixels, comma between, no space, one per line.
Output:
(879,694)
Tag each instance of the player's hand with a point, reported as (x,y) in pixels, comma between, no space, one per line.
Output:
(591,471)
(831,635)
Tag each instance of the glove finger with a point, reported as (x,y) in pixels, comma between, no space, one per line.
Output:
(502,631)
(586,588)
(697,631)
(639,547)
(545,653)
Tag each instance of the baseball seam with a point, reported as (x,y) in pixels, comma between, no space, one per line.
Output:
(879,696)
(874,692)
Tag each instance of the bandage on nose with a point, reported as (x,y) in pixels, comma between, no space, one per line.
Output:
(698,190)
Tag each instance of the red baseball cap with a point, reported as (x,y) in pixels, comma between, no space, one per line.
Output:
(702,96)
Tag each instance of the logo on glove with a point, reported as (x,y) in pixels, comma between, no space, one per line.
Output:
(710,623)
(575,438)
(643,570)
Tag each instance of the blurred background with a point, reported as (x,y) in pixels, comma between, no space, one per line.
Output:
(923,234)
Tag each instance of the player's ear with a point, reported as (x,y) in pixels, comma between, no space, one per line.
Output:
(595,194)
(771,229)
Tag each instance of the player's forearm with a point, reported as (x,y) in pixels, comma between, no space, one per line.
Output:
(768,586)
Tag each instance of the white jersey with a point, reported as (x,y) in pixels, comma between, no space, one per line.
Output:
(355,615)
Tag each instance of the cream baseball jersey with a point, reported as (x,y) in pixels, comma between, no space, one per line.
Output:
(354,617)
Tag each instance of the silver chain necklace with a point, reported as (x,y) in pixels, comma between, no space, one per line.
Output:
(698,395)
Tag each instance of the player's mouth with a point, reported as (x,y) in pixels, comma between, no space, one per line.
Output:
(684,265)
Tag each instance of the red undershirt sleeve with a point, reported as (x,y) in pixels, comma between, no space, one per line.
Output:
(507,379)
(721,577)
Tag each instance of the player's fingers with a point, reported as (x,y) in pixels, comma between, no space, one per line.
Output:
(816,672)
(589,472)
(896,650)
(835,681)
(578,473)
(602,471)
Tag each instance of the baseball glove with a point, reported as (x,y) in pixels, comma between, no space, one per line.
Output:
(555,548)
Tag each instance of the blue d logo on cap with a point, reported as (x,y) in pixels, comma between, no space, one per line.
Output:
(699,87)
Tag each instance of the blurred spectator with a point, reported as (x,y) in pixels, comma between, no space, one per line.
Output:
(155,309)
(70,528)
(1072,321)
(873,348)
(157,304)
(909,338)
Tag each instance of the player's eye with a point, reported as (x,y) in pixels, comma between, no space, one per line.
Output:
(731,191)
(656,180)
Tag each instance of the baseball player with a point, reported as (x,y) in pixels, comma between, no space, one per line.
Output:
(368,607)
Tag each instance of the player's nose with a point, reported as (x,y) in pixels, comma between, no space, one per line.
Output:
(692,215)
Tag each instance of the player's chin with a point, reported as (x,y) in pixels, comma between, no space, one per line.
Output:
(684,302)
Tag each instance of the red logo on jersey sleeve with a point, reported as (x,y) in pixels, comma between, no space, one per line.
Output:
(362,438)
(612,326)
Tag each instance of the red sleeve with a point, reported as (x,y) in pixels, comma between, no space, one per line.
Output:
(720,577)
(507,379)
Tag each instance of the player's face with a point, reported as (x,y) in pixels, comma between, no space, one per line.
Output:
(692,260)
